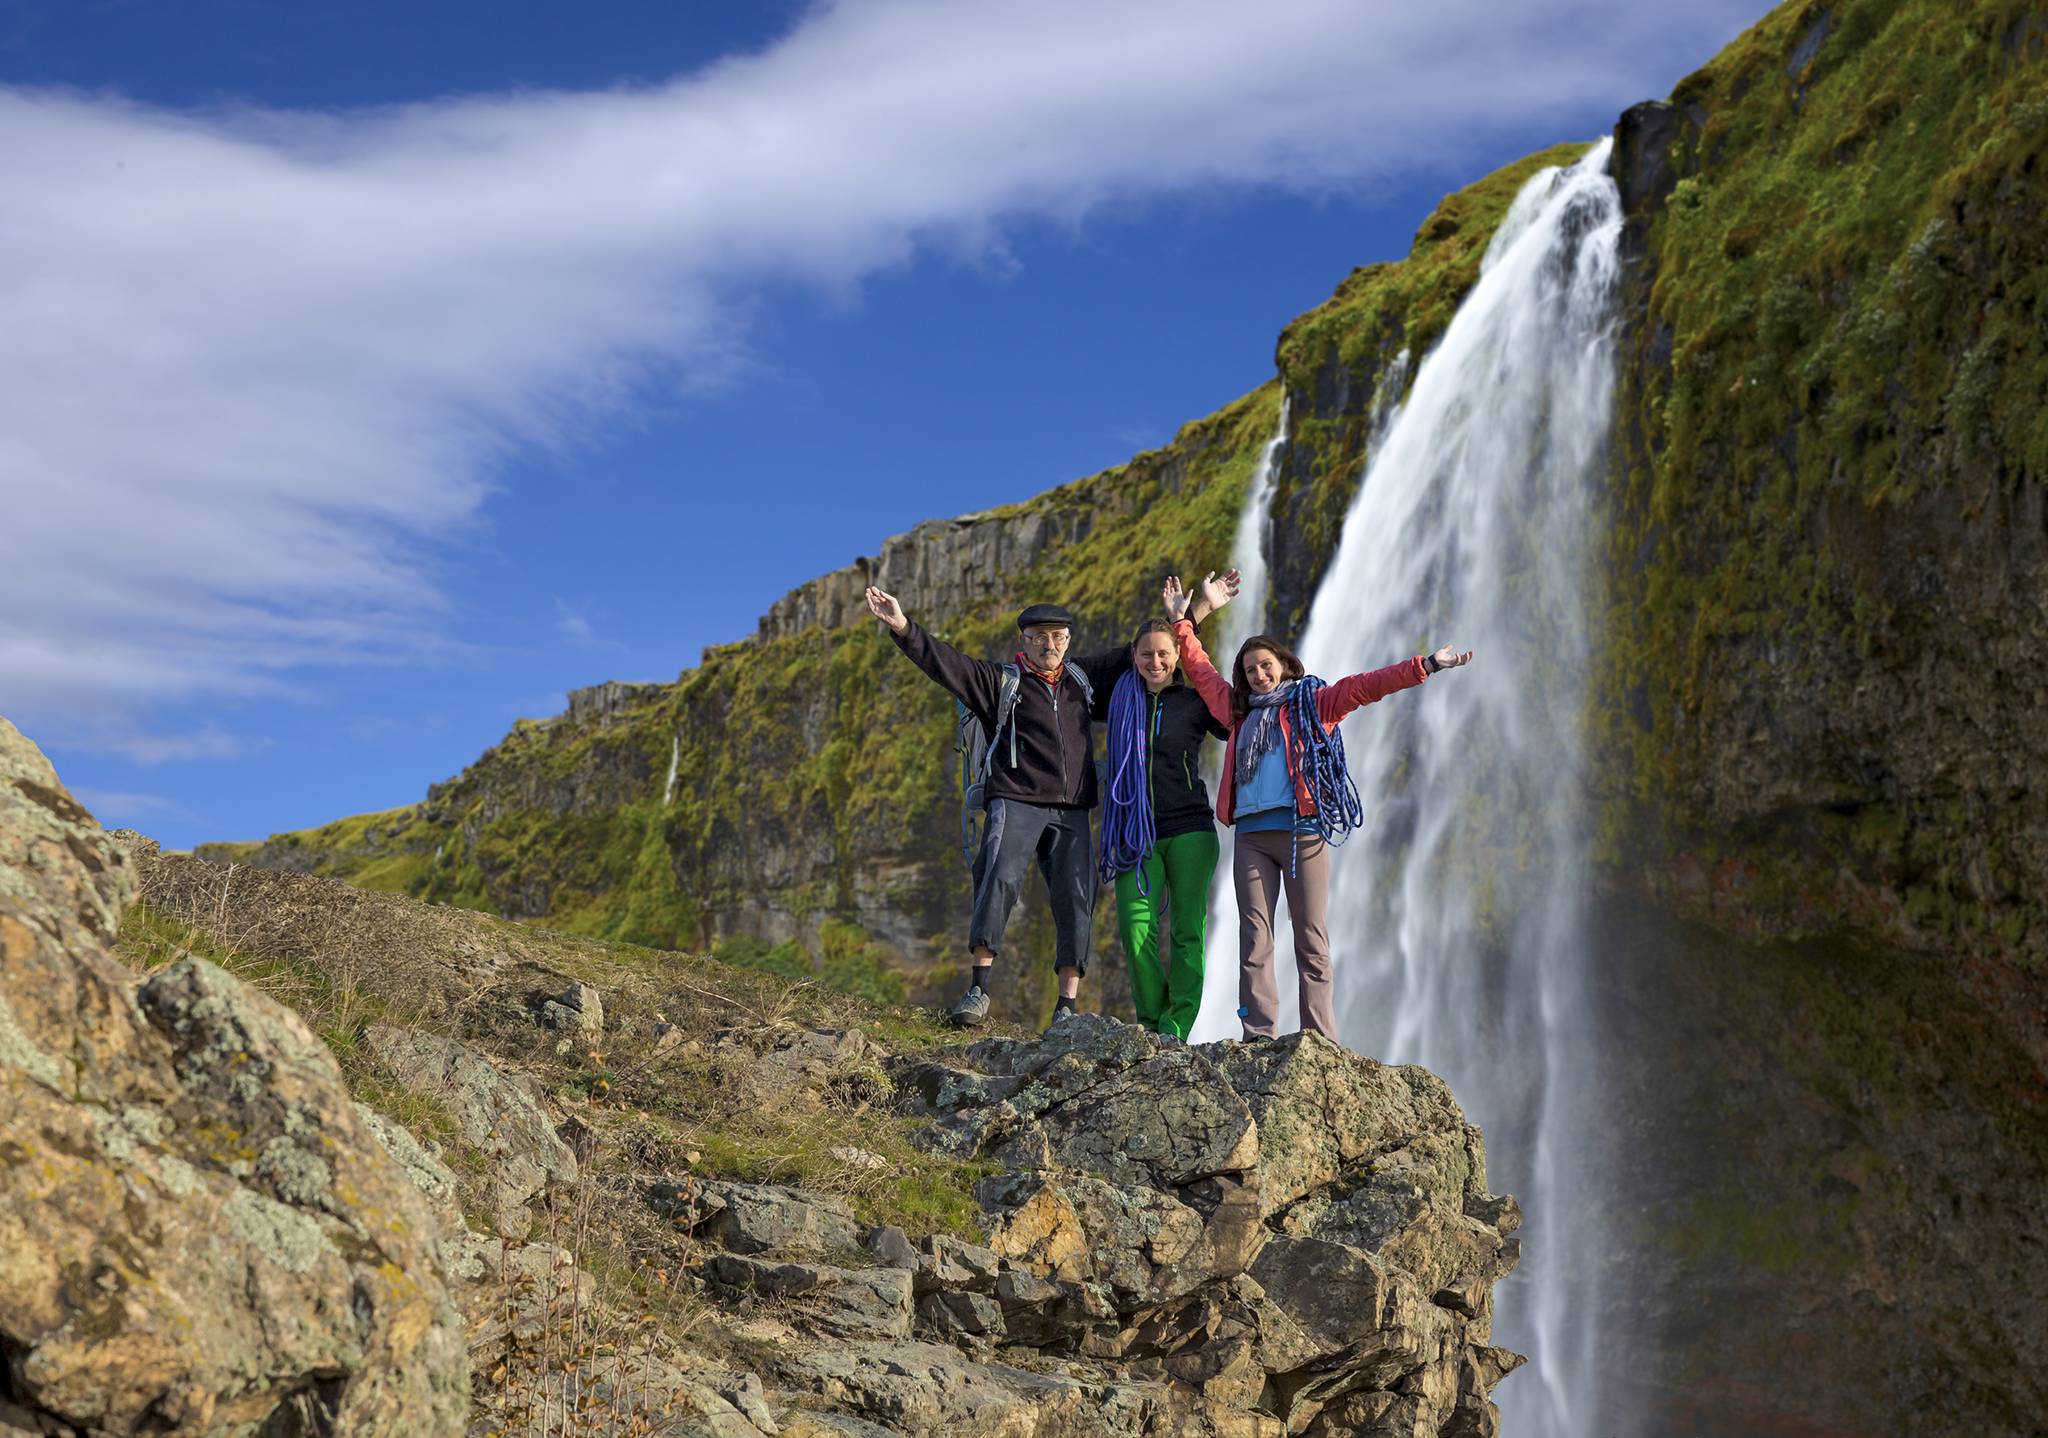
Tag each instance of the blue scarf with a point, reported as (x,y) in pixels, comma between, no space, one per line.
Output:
(1260,733)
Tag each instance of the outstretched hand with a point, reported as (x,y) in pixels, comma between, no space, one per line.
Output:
(884,607)
(1176,598)
(1208,597)
(1217,591)
(1448,657)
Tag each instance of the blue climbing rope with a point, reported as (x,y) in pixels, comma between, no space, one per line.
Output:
(1319,760)
(1128,829)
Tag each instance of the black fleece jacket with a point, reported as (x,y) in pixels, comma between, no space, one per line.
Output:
(1178,722)
(1055,740)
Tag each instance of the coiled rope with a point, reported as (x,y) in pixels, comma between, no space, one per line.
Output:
(1319,761)
(1128,828)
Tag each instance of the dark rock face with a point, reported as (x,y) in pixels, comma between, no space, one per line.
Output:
(1644,168)
(198,1233)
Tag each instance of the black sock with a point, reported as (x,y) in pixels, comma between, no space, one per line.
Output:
(978,978)
(1065,1003)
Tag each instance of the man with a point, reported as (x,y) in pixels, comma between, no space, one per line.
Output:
(1038,803)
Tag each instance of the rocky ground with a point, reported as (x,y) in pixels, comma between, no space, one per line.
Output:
(281,1157)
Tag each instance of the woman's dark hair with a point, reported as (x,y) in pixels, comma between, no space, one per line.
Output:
(1240,691)
(1151,626)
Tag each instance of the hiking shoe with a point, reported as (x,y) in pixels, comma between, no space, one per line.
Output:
(1060,1014)
(971,1009)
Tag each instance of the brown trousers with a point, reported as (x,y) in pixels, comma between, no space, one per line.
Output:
(1259,869)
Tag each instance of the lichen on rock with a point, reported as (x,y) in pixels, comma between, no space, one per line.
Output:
(195,1230)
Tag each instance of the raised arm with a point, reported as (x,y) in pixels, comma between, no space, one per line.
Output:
(1194,660)
(1358,690)
(1106,668)
(974,682)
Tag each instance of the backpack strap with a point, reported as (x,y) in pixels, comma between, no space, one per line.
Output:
(977,750)
(1006,709)
(1087,684)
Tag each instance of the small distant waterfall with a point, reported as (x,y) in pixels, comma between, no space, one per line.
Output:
(1457,910)
(1248,548)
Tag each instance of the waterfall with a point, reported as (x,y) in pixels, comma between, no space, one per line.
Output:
(1457,911)
(1248,548)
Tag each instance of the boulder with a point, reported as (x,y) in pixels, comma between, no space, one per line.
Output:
(494,1115)
(1280,1228)
(835,1302)
(577,1010)
(198,1232)
(761,1217)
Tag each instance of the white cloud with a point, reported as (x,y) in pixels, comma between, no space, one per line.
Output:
(256,367)
(114,807)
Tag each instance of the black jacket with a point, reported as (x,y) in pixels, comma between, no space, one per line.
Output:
(1055,740)
(1178,721)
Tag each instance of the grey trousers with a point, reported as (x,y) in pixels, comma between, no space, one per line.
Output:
(1259,870)
(1058,839)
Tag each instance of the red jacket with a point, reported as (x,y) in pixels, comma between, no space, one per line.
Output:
(1333,702)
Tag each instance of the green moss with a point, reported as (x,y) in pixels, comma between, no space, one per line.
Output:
(1849,280)
(1792,1239)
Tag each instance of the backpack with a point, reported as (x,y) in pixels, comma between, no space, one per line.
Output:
(977,747)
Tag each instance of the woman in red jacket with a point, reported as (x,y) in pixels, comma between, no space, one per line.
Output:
(1287,792)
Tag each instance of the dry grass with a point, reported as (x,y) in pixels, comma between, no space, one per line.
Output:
(681,1086)
(591,1347)
(346,959)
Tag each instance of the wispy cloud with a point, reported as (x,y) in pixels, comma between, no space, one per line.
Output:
(257,367)
(115,807)
(573,625)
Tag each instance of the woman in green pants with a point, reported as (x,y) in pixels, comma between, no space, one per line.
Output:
(1159,841)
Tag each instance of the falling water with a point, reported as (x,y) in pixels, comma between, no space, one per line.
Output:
(1251,544)
(1456,910)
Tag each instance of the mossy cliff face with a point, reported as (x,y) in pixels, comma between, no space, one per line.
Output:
(1819,723)
(1823,695)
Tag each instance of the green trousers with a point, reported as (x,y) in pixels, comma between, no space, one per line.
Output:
(1177,873)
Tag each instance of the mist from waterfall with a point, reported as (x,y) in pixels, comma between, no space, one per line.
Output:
(1457,910)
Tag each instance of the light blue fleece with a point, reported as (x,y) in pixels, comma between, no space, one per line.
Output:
(1268,801)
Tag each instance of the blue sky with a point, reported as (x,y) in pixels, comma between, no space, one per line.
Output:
(371,374)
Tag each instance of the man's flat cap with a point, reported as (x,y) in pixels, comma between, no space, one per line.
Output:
(1047,614)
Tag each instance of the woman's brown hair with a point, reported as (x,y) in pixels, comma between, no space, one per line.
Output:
(1240,691)
(1152,626)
